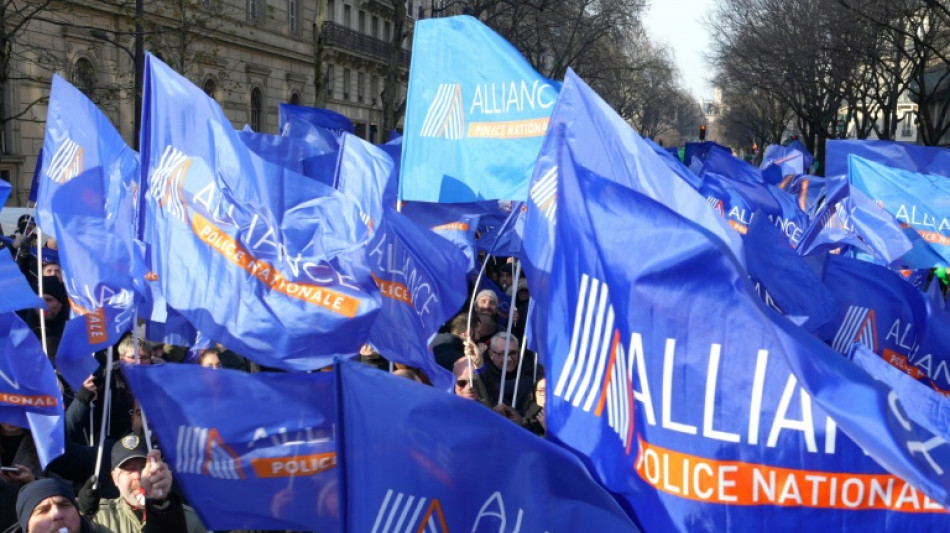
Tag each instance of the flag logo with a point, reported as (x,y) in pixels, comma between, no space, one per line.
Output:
(202,451)
(598,372)
(544,194)
(66,163)
(403,513)
(859,325)
(716,204)
(446,116)
(165,183)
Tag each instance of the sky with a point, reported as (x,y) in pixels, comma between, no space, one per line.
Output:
(678,24)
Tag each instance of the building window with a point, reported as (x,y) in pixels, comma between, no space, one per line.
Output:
(253,10)
(362,21)
(84,77)
(375,27)
(347,15)
(209,4)
(210,87)
(373,89)
(907,124)
(422,11)
(330,81)
(360,81)
(346,84)
(292,15)
(387,31)
(331,11)
(257,108)
(294,98)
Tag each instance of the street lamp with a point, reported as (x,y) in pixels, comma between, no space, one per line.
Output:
(138,62)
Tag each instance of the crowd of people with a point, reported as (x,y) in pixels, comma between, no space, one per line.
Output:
(482,347)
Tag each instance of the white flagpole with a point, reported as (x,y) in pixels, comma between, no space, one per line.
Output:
(39,284)
(504,363)
(106,404)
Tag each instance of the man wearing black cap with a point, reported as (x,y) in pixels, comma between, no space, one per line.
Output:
(146,502)
(48,506)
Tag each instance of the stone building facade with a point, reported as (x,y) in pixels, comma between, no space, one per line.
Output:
(250,55)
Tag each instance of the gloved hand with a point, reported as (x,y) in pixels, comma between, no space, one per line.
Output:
(88,498)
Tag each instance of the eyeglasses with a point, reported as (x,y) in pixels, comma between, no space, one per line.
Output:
(135,412)
(511,353)
(462,383)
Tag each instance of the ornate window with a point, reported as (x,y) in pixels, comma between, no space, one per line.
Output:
(257,108)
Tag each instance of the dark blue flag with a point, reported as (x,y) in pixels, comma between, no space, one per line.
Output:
(315,116)
(29,392)
(458,223)
(251,451)
(671,158)
(421,278)
(263,260)
(37,174)
(297,155)
(786,160)
(698,152)
(699,407)
(442,463)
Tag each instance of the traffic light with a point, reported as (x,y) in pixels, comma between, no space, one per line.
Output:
(702,132)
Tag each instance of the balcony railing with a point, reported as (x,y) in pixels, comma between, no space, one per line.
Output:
(336,35)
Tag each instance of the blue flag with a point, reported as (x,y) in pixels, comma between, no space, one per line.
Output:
(669,156)
(786,160)
(449,464)
(849,218)
(79,138)
(297,155)
(696,153)
(905,156)
(251,451)
(878,308)
(263,260)
(784,280)
(421,277)
(699,407)
(921,201)
(288,116)
(807,189)
(93,217)
(927,407)
(476,115)
(363,174)
(29,393)
(505,239)
(457,223)
(930,363)
(16,290)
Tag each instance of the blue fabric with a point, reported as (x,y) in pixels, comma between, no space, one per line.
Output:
(37,174)
(921,201)
(670,156)
(323,118)
(505,239)
(93,217)
(421,277)
(16,290)
(297,155)
(280,252)
(700,151)
(79,138)
(443,463)
(784,280)
(29,393)
(905,156)
(785,159)
(476,115)
(250,451)
(808,159)
(363,175)
(457,223)
(667,375)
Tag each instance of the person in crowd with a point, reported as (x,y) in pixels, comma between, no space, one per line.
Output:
(53,269)
(465,385)
(486,305)
(369,356)
(505,276)
(497,364)
(56,314)
(406,373)
(210,358)
(146,502)
(18,451)
(534,411)
(449,346)
(49,506)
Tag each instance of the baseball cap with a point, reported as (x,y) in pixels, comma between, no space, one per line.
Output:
(129,447)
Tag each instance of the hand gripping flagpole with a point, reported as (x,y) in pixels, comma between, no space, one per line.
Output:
(106,404)
(39,284)
(504,362)
(471,308)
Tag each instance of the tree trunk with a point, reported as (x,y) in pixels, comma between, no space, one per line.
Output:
(392,108)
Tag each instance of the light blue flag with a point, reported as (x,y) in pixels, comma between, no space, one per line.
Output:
(786,160)
(297,155)
(421,278)
(905,156)
(263,260)
(476,115)
(363,174)
(323,118)
(79,138)
(29,392)
(16,290)
(250,451)
(441,463)
(921,201)
(700,408)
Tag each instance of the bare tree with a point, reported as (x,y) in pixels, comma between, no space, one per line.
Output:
(394,104)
